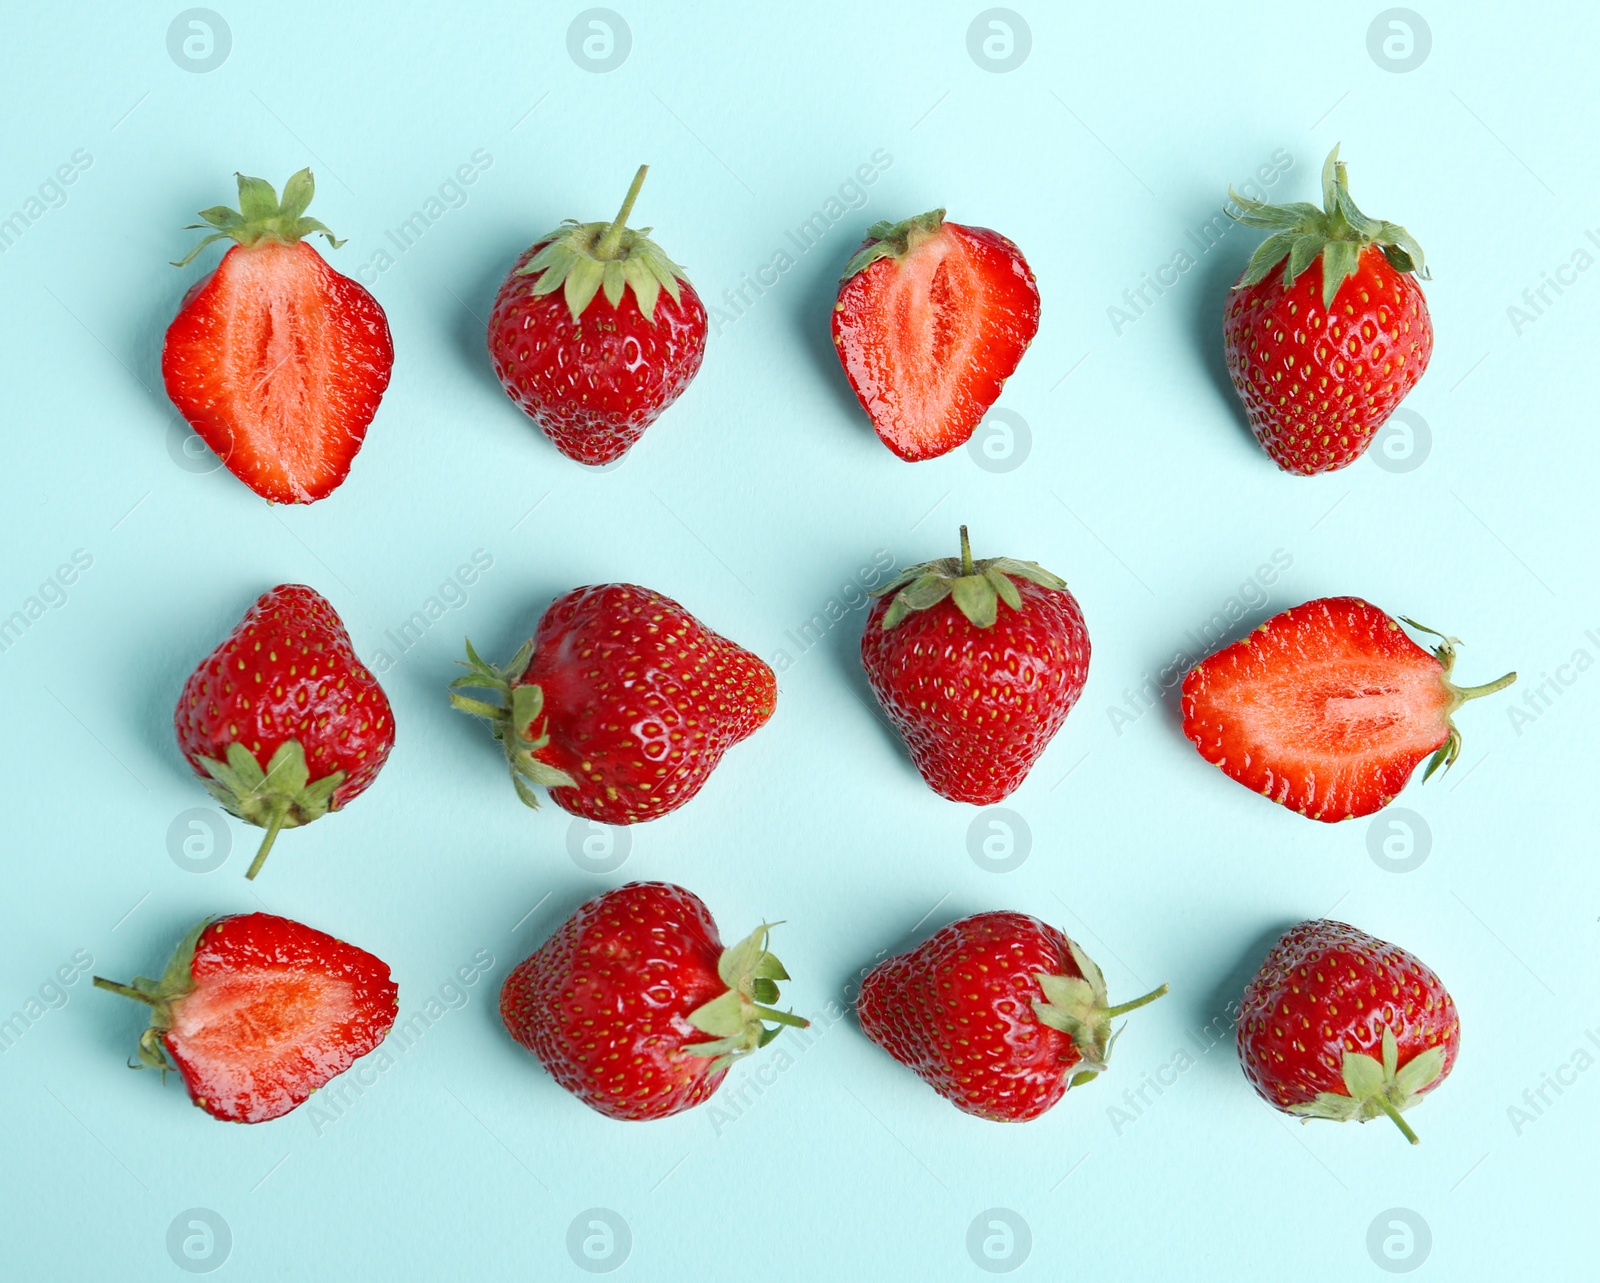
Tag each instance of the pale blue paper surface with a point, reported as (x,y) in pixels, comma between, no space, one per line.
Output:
(756,501)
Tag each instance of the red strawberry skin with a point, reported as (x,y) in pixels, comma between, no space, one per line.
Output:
(1327,989)
(278,363)
(957,1011)
(288,672)
(605,1001)
(977,706)
(593,386)
(928,338)
(1317,383)
(1326,708)
(267,1011)
(640,701)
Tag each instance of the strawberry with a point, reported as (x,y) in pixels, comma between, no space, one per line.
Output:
(256,1012)
(282,721)
(1328,708)
(1339,1024)
(932,318)
(634,1006)
(975,691)
(999,1013)
(1327,329)
(276,360)
(621,705)
(596,364)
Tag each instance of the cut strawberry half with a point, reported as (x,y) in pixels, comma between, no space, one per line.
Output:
(276,360)
(1327,708)
(932,318)
(256,1012)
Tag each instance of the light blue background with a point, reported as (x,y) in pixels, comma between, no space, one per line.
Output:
(754,501)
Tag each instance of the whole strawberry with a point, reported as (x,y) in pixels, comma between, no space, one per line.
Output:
(621,705)
(999,1013)
(634,1006)
(932,318)
(256,1012)
(1339,1024)
(595,332)
(276,360)
(1328,707)
(975,690)
(282,721)
(1327,329)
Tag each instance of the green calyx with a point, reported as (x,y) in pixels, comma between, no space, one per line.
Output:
(1077,1006)
(737,1019)
(1338,232)
(977,587)
(1459,695)
(261,216)
(177,981)
(1373,1087)
(284,796)
(512,719)
(584,259)
(894,240)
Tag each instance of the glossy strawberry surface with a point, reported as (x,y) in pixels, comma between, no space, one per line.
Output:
(641,700)
(977,706)
(595,384)
(288,672)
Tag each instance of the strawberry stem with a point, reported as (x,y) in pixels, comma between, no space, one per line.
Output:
(606,246)
(279,813)
(967,568)
(1464,693)
(127,991)
(1384,1104)
(1111,1013)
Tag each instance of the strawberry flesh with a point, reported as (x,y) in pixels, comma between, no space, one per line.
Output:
(928,338)
(256,1012)
(1326,708)
(278,362)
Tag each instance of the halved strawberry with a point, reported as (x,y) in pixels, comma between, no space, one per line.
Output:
(276,360)
(256,1012)
(1327,708)
(932,319)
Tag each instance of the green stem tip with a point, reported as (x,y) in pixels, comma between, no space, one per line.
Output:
(1123,1008)
(127,991)
(280,813)
(1464,693)
(606,246)
(1394,1115)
